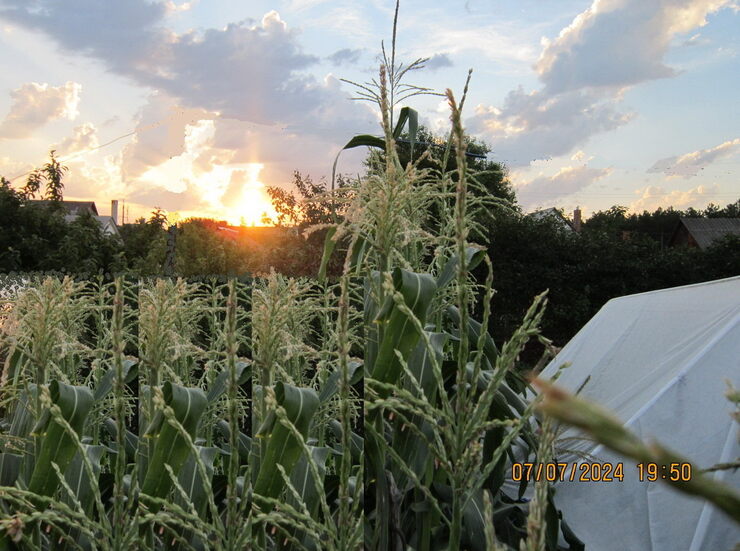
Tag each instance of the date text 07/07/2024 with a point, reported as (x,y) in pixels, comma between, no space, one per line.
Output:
(598,472)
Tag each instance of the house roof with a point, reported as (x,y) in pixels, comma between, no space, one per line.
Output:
(706,230)
(107,224)
(553,213)
(73,207)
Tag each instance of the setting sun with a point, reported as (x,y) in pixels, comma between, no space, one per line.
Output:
(252,204)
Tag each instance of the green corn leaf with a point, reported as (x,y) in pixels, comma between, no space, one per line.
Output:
(329,245)
(245,442)
(412,117)
(171,448)
(369,313)
(10,468)
(192,482)
(77,477)
(407,114)
(473,257)
(131,441)
(331,385)
(105,384)
(356,441)
(21,426)
(475,522)
(57,445)
(21,423)
(282,448)
(490,351)
(358,254)
(358,141)
(218,386)
(409,445)
(14,365)
(399,332)
(303,481)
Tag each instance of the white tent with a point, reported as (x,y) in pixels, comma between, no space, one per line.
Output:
(660,361)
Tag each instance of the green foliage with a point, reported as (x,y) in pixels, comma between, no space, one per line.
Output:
(52,173)
(309,208)
(658,225)
(145,244)
(35,237)
(584,271)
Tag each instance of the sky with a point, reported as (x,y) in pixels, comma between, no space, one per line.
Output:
(196,107)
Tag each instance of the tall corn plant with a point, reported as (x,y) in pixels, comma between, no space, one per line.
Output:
(444,408)
(76,471)
(306,455)
(53,399)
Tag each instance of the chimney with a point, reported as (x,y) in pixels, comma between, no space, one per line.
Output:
(577,220)
(114,211)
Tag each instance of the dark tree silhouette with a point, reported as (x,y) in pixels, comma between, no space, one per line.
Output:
(52,173)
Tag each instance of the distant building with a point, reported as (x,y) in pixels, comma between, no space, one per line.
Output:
(554,214)
(108,224)
(701,232)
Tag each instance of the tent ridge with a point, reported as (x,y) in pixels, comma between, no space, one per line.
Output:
(669,289)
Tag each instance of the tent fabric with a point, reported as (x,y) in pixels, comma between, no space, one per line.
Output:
(660,361)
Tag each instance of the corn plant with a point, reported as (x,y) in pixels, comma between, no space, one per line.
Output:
(285,414)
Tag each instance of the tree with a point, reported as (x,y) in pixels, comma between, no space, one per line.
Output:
(86,249)
(52,173)
(490,176)
(35,237)
(145,244)
(312,206)
(29,233)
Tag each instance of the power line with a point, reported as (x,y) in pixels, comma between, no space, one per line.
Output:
(133,132)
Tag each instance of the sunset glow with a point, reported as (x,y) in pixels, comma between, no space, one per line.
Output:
(253,203)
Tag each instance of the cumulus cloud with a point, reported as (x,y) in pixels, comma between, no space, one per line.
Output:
(584,71)
(249,70)
(618,43)
(36,104)
(160,134)
(250,77)
(127,35)
(533,125)
(566,181)
(438,61)
(83,138)
(345,56)
(654,197)
(690,164)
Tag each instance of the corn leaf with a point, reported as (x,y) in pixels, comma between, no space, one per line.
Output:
(329,245)
(192,482)
(282,448)
(10,468)
(331,385)
(57,445)
(399,332)
(218,386)
(244,441)
(105,384)
(171,448)
(473,257)
(77,477)
(304,482)
(409,445)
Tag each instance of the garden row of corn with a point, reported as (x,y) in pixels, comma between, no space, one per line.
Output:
(373,412)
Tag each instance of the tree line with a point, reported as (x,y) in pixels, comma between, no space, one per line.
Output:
(614,254)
